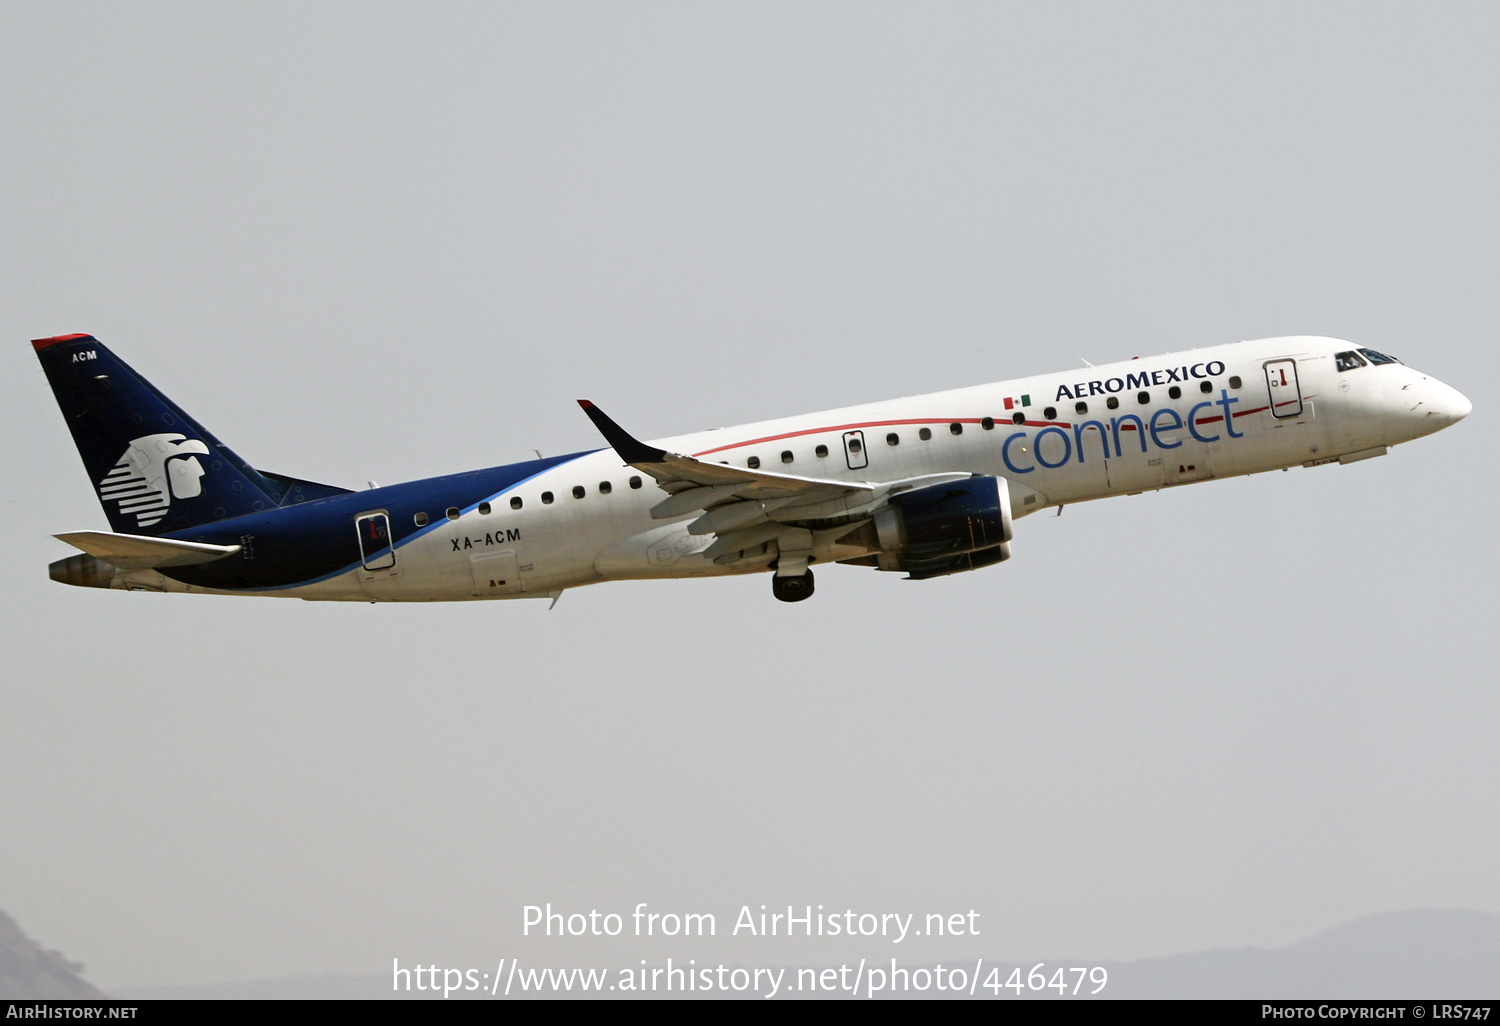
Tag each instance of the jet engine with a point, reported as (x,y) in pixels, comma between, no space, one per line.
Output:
(945,528)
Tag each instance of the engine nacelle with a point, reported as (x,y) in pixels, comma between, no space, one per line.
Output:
(946,528)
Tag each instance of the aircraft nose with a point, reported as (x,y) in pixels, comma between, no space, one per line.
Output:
(1455,406)
(1435,405)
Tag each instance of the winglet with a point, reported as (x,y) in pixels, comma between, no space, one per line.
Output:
(630,450)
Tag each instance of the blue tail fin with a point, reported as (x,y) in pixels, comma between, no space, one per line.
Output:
(156,469)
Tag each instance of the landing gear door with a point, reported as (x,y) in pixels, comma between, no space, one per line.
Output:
(854,450)
(375,549)
(1286,393)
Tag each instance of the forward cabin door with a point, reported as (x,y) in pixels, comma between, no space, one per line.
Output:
(1286,393)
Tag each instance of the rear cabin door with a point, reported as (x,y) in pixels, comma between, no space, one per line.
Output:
(375,549)
(1286,393)
(854,450)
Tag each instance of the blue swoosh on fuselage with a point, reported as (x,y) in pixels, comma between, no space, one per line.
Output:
(315,541)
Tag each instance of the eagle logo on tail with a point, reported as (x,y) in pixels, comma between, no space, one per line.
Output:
(154,470)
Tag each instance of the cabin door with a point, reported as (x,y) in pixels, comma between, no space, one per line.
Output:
(1286,393)
(375,549)
(854,450)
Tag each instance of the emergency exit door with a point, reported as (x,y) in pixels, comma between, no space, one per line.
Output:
(1286,394)
(854,450)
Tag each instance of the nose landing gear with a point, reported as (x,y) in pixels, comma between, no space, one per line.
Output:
(793,589)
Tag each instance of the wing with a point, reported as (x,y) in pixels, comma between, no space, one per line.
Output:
(134,552)
(732,493)
(744,507)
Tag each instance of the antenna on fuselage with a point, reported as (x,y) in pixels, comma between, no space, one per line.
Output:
(1085,362)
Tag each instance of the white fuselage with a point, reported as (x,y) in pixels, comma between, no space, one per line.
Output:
(1054,438)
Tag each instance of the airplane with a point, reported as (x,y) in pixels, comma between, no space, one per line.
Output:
(927,485)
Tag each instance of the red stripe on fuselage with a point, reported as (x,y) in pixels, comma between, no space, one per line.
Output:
(840,428)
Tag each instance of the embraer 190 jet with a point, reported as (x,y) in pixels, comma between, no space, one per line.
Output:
(926,486)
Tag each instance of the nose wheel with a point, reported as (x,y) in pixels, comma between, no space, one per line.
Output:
(793,589)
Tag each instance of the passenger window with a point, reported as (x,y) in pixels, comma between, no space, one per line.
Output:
(1174,392)
(1018,417)
(1050,413)
(1234,381)
(452,513)
(854,445)
(925,434)
(635,482)
(578,491)
(1080,407)
(955,428)
(1112,402)
(988,423)
(1206,387)
(484,509)
(546,498)
(753,463)
(1378,358)
(893,439)
(1143,398)
(822,451)
(515,502)
(786,455)
(605,487)
(420,519)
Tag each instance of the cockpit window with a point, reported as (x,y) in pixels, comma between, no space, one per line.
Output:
(1378,358)
(1348,361)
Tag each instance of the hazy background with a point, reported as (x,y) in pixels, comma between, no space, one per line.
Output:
(381,241)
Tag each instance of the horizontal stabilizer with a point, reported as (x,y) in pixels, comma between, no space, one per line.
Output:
(136,552)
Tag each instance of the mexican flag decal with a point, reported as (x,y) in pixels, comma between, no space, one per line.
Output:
(1011,404)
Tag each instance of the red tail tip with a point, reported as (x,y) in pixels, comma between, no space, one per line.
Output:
(42,343)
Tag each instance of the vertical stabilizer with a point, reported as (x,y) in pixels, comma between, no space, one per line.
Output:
(154,468)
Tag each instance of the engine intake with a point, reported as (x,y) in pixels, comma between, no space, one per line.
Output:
(946,529)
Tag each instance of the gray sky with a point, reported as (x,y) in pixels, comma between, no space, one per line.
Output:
(387,241)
